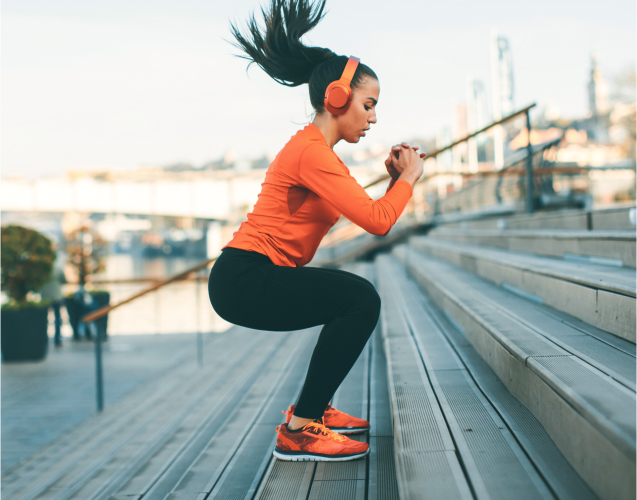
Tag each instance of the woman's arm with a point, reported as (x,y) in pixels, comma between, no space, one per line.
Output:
(321,171)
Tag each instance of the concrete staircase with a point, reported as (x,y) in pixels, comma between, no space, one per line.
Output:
(511,359)
(502,367)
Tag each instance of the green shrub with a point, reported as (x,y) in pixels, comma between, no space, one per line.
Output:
(27,263)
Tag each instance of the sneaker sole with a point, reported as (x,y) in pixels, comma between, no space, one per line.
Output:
(311,457)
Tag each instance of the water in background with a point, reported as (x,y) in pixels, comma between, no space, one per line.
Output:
(171,309)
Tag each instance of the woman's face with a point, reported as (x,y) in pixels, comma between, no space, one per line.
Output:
(362,111)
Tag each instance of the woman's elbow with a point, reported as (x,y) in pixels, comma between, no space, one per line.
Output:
(380,230)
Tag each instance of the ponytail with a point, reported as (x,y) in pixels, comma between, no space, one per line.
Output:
(279,52)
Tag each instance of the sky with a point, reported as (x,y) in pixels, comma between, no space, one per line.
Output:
(120,84)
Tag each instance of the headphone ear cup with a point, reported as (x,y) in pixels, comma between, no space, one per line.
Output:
(337,98)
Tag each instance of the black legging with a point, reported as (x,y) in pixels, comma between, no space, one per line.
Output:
(248,289)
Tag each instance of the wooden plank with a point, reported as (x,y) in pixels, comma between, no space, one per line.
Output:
(286,481)
(382,483)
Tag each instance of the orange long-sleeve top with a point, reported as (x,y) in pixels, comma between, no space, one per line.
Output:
(306,189)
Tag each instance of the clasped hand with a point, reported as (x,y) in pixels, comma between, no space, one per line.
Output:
(404,157)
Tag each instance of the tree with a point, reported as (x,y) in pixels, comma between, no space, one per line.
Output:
(27,262)
(86,252)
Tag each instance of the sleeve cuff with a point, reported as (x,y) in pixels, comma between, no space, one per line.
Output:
(409,186)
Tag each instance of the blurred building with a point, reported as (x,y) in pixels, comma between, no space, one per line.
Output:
(598,107)
(459,131)
(502,90)
(444,160)
(477,118)
(502,76)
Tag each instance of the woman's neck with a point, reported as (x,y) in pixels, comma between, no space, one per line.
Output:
(327,125)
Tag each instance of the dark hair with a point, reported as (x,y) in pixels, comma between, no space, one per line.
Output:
(279,52)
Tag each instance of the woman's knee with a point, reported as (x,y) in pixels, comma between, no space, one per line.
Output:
(375,303)
(368,303)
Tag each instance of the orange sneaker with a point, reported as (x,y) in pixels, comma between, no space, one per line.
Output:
(315,442)
(336,421)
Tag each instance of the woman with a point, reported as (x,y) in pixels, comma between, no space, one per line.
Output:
(259,280)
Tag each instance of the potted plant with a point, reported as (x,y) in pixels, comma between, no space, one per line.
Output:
(27,263)
(86,252)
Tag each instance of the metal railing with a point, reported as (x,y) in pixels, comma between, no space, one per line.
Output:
(417,206)
(524,184)
(100,313)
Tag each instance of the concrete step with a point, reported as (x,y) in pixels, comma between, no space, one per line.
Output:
(614,248)
(425,455)
(620,217)
(602,296)
(236,443)
(446,354)
(438,408)
(568,379)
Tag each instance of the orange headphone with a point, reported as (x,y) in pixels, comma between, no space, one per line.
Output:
(338,94)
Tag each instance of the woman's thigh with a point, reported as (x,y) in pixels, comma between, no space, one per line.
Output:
(279,298)
(351,275)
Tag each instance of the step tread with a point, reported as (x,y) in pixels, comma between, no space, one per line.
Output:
(424,451)
(491,457)
(244,470)
(558,234)
(492,460)
(613,355)
(617,280)
(598,395)
(546,456)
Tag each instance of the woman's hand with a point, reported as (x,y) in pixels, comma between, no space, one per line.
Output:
(408,163)
(391,170)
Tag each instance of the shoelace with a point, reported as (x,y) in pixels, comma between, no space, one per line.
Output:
(326,432)
(322,429)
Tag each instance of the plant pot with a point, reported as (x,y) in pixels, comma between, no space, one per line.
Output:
(24,333)
(77,310)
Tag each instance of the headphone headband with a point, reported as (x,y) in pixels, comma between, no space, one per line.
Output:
(350,69)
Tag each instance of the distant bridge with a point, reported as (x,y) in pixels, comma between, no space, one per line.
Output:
(201,197)
(193,197)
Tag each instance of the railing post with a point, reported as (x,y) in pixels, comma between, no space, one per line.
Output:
(99,382)
(529,167)
(199,335)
